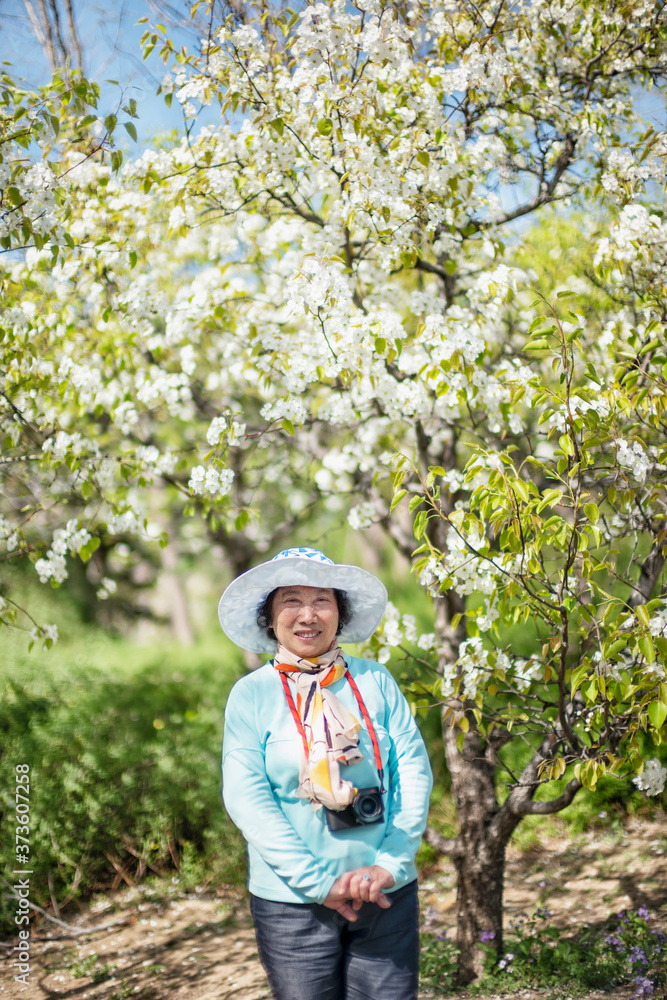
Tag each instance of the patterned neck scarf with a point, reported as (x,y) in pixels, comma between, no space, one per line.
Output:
(332,732)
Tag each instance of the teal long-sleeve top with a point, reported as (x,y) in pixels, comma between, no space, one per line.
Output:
(293,856)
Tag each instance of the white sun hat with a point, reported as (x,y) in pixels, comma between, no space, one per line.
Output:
(238,605)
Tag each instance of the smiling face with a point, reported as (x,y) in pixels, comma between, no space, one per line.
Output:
(305,619)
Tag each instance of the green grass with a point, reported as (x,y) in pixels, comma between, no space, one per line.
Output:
(123,745)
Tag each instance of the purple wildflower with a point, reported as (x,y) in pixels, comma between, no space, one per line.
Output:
(644,987)
(643,913)
(487,936)
(615,942)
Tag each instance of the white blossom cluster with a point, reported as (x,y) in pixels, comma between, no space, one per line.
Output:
(473,669)
(658,622)
(36,189)
(211,481)
(107,588)
(233,430)
(653,777)
(633,457)
(46,633)
(68,539)
(362,516)
(396,628)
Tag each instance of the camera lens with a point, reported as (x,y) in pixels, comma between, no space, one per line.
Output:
(368,806)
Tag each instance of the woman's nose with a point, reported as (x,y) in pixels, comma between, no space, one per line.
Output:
(307,613)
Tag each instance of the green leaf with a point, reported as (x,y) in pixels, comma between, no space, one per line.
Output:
(537,345)
(566,443)
(278,125)
(591,373)
(657,713)
(423,157)
(419,526)
(110,123)
(592,513)
(397,498)
(642,614)
(578,675)
(86,551)
(589,689)
(614,648)
(550,498)
(131,130)
(288,426)
(646,647)
(325,126)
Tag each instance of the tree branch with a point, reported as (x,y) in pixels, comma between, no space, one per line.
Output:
(443,845)
(553,805)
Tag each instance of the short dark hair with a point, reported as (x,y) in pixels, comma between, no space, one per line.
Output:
(264,611)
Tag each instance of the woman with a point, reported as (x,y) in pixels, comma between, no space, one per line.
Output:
(326,775)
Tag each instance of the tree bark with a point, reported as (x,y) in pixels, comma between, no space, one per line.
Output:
(479,856)
(484,827)
(176,597)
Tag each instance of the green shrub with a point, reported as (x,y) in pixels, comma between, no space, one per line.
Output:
(124,774)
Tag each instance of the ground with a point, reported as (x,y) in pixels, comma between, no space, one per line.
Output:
(199,945)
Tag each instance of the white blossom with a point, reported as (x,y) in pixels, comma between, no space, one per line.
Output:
(652,779)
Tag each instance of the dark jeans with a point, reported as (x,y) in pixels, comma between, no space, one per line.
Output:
(310,952)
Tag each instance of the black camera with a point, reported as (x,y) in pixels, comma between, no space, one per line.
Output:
(366,807)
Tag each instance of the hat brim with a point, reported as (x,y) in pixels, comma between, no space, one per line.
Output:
(238,605)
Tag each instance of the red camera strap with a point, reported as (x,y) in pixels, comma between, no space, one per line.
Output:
(364,714)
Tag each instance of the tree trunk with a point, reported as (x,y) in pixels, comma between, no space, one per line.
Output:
(177,606)
(484,827)
(479,857)
(479,907)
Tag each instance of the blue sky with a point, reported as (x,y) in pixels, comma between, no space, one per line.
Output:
(109,38)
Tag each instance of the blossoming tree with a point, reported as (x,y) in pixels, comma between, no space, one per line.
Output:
(375,158)
(120,361)
(328,287)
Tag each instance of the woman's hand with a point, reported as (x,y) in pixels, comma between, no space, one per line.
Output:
(366,885)
(338,897)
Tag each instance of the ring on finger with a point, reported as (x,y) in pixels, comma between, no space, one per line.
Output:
(366,878)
